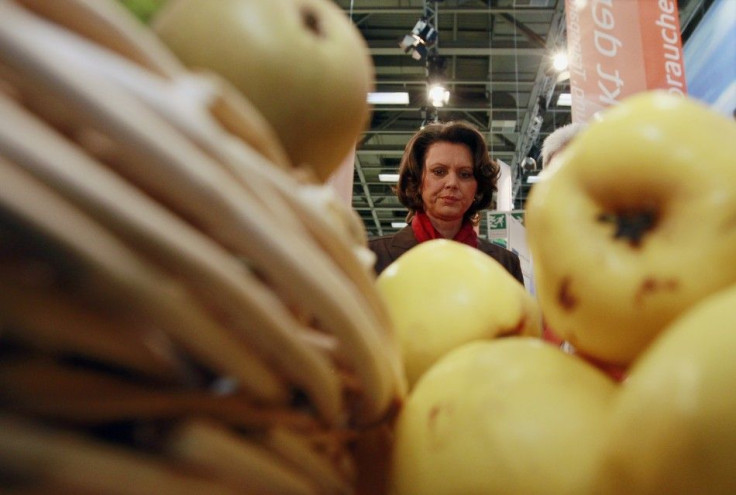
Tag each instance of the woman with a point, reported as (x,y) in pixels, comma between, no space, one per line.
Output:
(446,178)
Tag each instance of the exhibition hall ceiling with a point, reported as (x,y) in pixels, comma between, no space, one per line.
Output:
(494,57)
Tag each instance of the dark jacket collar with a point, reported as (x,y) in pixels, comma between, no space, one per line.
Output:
(404,239)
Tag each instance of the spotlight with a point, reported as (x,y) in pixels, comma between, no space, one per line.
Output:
(425,32)
(559,61)
(423,35)
(438,95)
(419,52)
(407,42)
(413,46)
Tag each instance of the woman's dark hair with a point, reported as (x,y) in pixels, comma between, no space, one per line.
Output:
(485,170)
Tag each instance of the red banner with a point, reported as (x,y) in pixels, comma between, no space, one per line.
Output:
(620,47)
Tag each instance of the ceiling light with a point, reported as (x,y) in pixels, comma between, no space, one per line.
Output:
(559,61)
(388,177)
(438,95)
(564,100)
(529,164)
(397,98)
(398,225)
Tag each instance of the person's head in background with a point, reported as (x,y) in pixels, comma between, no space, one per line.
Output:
(447,173)
(557,140)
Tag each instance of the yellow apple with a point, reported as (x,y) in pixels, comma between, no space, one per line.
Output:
(301,63)
(634,222)
(518,416)
(441,294)
(674,423)
(509,416)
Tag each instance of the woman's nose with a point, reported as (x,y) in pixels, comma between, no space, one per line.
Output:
(452,180)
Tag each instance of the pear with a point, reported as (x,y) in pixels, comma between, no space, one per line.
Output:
(674,424)
(441,294)
(509,416)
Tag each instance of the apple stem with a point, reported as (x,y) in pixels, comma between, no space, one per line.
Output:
(311,21)
(631,225)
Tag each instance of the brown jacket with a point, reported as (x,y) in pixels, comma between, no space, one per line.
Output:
(389,247)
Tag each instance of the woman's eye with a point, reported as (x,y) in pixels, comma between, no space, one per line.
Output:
(466,175)
(438,172)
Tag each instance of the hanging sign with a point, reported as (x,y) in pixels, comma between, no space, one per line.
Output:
(617,48)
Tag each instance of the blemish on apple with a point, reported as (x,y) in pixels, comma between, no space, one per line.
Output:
(651,285)
(565,297)
(437,419)
(432,416)
(311,21)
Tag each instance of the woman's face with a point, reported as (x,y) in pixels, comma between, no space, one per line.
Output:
(448,183)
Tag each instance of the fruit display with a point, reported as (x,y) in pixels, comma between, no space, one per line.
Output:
(465,295)
(511,416)
(673,426)
(187,308)
(632,233)
(181,310)
(518,416)
(634,224)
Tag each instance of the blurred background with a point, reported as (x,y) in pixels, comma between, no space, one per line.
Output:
(495,60)
(491,62)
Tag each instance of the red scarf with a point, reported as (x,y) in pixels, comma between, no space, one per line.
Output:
(425,231)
